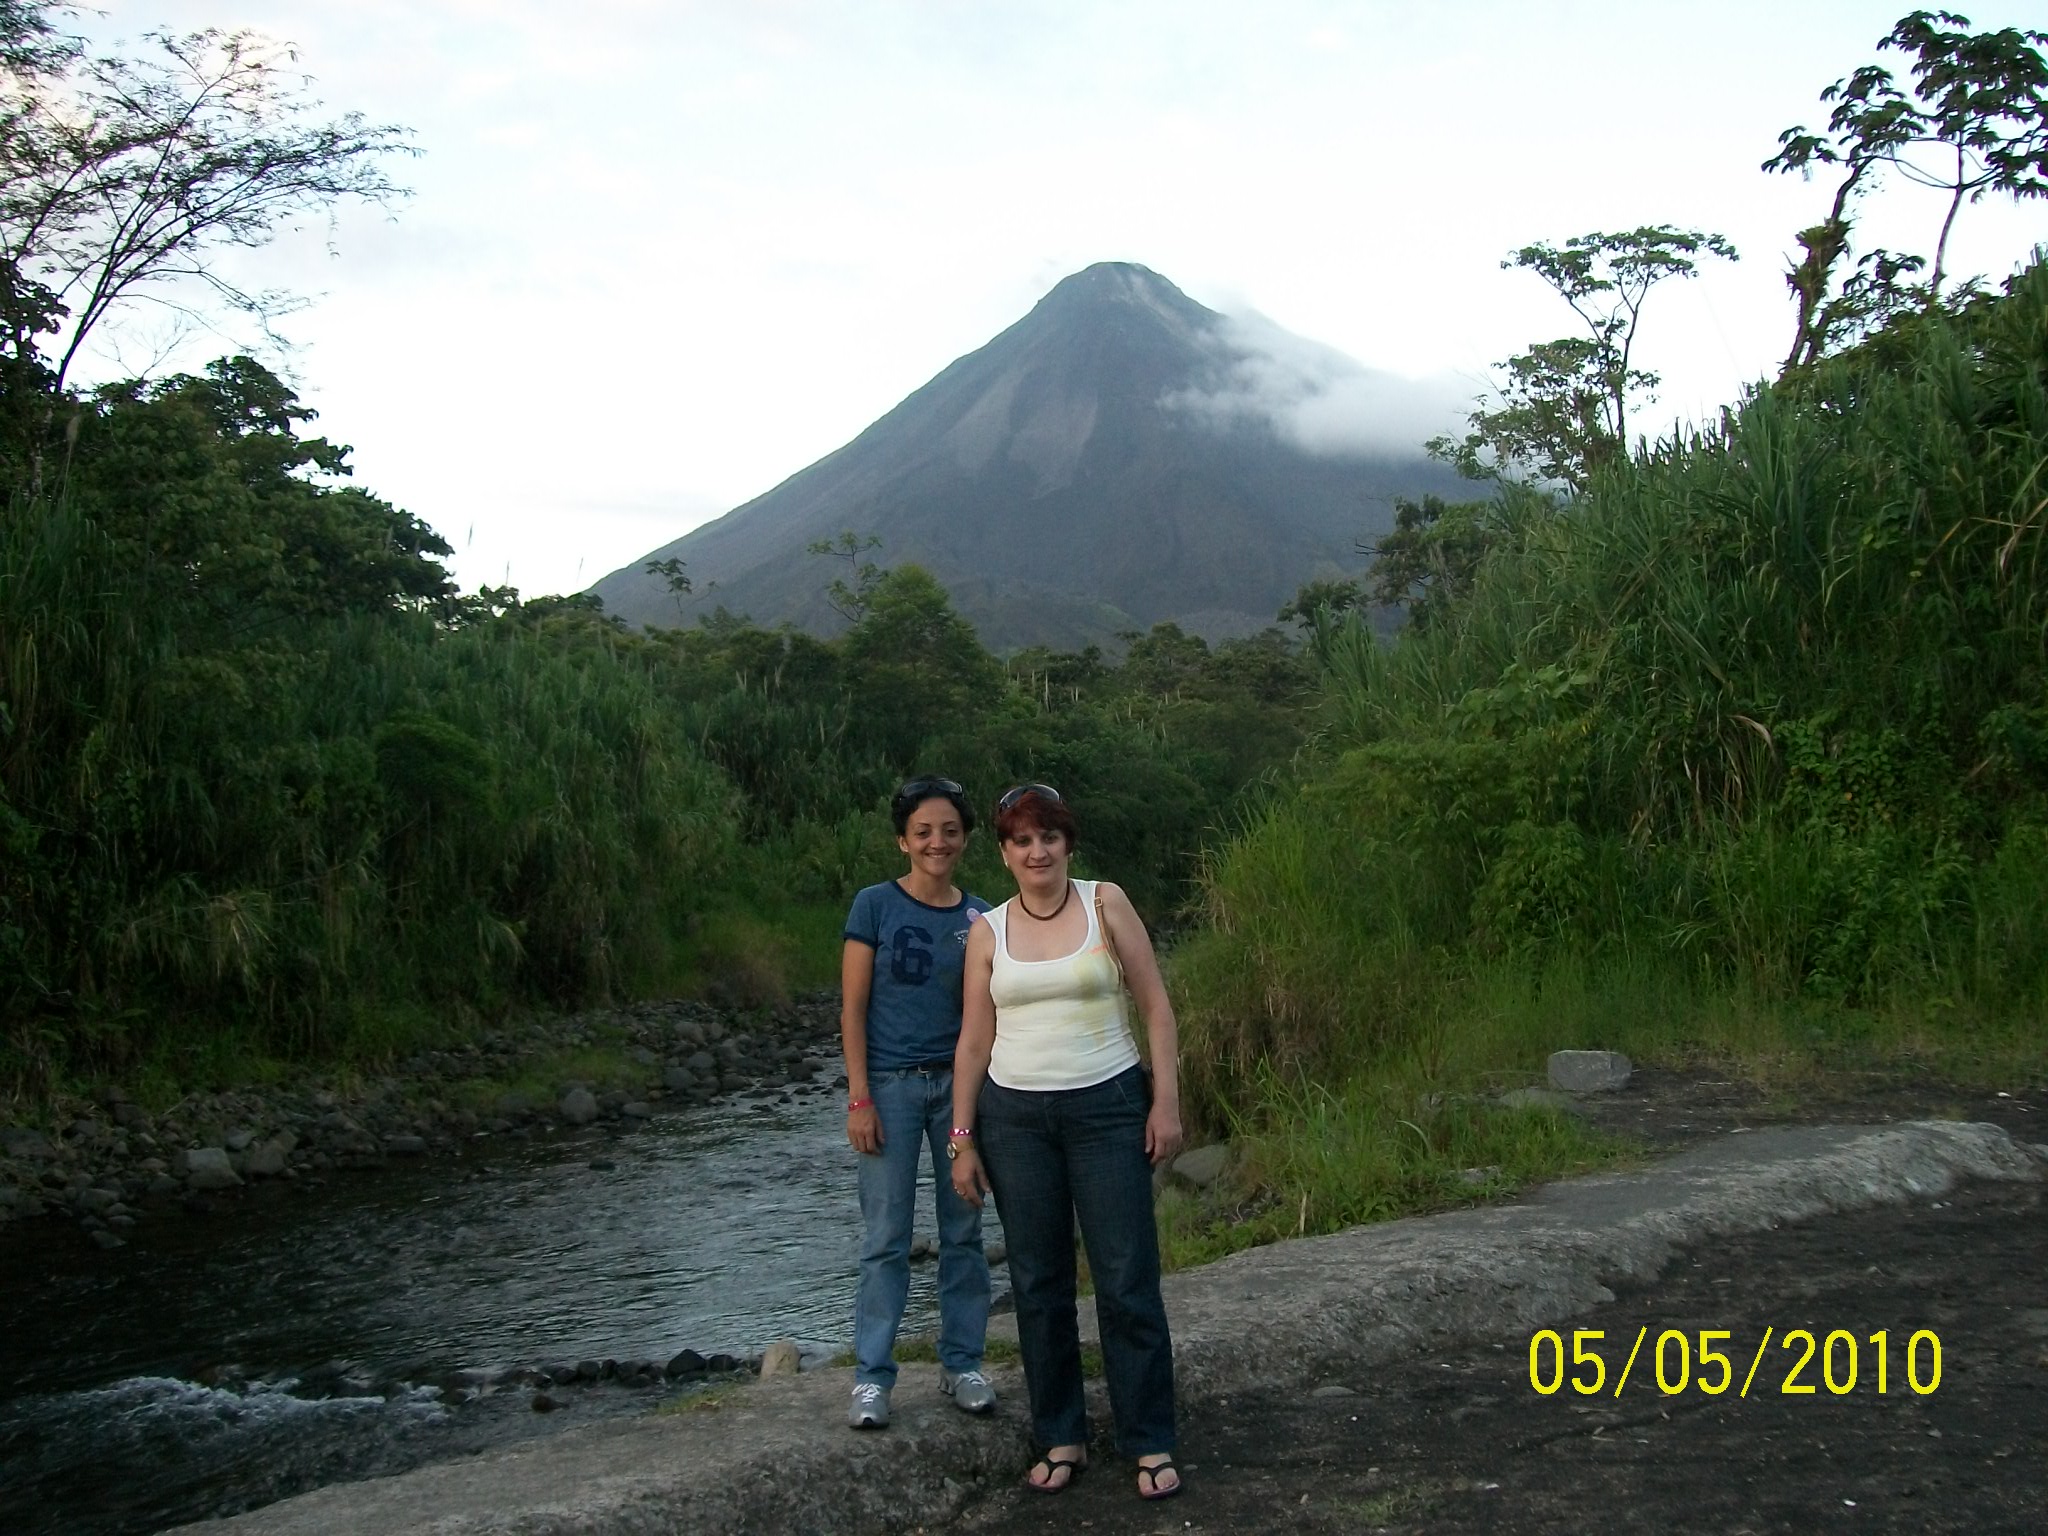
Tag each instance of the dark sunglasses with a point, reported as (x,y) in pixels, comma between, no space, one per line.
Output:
(924,788)
(1011,796)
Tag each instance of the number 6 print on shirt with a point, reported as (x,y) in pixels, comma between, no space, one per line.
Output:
(907,963)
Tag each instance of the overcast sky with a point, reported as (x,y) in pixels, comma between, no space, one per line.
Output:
(660,256)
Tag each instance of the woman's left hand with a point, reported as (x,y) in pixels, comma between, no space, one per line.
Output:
(970,1179)
(1163,1133)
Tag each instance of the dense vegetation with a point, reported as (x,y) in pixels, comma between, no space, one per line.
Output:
(1734,743)
(267,784)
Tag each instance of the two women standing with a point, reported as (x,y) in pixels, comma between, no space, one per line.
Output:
(1001,1036)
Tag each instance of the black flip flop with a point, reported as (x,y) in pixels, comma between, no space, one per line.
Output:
(1152,1490)
(1052,1464)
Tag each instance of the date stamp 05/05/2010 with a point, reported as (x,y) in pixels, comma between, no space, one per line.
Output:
(1806,1362)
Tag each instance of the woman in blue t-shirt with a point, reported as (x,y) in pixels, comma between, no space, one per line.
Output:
(899,1020)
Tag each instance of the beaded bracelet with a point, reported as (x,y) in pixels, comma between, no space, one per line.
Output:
(963,1133)
(859,1104)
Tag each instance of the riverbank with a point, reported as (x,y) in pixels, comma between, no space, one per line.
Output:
(105,1164)
(773,1457)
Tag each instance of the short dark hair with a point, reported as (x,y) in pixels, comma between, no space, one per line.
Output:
(1049,813)
(928,786)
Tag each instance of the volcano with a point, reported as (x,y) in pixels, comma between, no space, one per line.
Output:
(1120,457)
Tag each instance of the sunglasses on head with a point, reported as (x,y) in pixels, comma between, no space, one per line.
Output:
(924,788)
(1011,796)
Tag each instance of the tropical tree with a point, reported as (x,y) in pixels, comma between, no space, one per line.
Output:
(1972,119)
(121,174)
(1563,409)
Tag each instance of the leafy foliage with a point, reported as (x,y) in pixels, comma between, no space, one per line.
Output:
(1563,408)
(1766,707)
(1973,120)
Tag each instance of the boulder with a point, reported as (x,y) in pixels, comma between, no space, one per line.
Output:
(578,1106)
(19,1141)
(678,1079)
(209,1168)
(1202,1166)
(1589,1071)
(688,1363)
(782,1358)
(265,1160)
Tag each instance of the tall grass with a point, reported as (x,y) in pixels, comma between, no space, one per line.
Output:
(1759,724)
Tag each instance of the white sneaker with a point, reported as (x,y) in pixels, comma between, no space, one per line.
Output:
(870,1408)
(969,1390)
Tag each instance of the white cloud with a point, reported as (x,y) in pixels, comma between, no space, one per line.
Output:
(1319,399)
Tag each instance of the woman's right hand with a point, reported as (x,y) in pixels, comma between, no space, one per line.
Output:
(864,1129)
(970,1179)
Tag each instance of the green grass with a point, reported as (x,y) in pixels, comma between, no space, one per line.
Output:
(1394,1133)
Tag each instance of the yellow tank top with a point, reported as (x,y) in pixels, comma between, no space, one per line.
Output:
(1060,1023)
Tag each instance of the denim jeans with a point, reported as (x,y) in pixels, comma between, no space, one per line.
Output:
(916,1110)
(1052,1157)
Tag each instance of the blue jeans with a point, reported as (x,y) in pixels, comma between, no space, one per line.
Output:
(1052,1157)
(915,1106)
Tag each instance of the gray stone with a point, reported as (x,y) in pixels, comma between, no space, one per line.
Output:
(578,1106)
(678,1079)
(406,1146)
(209,1168)
(782,1358)
(702,1064)
(265,1160)
(1589,1071)
(19,1141)
(633,1109)
(240,1139)
(1333,1389)
(1202,1166)
(1537,1098)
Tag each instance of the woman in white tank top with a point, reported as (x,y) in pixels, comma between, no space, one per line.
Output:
(1054,1113)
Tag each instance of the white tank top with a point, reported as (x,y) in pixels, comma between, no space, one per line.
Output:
(1059,1023)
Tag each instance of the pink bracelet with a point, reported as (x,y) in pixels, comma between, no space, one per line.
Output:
(859,1104)
(962,1134)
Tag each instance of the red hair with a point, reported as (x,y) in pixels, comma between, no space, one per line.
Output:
(1032,809)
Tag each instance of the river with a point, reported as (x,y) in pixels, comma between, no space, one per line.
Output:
(220,1362)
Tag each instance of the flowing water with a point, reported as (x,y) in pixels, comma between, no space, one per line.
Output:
(223,1361)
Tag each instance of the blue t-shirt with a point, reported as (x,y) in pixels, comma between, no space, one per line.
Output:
(920,955)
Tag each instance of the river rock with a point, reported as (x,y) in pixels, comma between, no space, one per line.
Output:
(19,1141)
(702,1064)
(688,1363)
(1202,1166)
(209,1168)
(239,1139)
(578,1106)
(678,1079)
(265,1160)
(406,1146)
(1589,1071)
(782,1358)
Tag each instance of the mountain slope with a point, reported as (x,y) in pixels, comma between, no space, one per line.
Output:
(1073,478)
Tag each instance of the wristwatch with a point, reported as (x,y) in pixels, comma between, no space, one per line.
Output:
(955,1142)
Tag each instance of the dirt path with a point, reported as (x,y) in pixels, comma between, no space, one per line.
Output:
(1462,1442)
